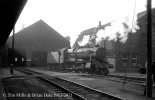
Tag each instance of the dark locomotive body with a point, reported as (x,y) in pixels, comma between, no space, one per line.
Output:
(89,57)
(92,60)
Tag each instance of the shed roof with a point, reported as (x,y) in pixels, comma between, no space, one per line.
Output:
(39,37)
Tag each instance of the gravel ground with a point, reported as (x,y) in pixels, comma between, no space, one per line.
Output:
(29,88)
(130,92)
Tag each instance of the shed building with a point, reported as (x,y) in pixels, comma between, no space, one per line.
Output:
(35,41)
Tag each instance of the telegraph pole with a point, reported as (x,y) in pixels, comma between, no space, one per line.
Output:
(12,58)
(149,51)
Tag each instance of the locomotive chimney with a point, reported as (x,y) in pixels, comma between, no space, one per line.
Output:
(99,24)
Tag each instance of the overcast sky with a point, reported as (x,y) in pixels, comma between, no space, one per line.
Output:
(70,17)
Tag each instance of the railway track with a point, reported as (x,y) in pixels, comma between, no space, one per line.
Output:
(38,89)
(129,80)
(122,79)
(78,91)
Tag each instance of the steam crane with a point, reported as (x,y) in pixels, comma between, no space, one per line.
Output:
(101,26)
(93,37)
(92,33)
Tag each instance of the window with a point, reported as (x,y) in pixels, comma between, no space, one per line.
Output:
(124,62)
(22,59)
(16,59)
(134,59)
(124,59)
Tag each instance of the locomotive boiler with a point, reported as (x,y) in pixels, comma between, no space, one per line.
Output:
(92,59)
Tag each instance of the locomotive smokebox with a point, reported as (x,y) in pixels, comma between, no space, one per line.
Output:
(100,54)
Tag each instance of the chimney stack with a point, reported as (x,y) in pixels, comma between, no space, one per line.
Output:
(99,23)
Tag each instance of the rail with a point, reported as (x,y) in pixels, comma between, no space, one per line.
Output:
(78,90)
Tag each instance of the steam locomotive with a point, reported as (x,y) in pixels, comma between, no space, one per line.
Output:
(92,60)
(88,57)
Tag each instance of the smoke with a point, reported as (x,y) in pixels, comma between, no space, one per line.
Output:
(84,41)
(118,29)
(113,32)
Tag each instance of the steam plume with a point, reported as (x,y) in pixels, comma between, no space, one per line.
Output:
(84,41)
(117,29)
